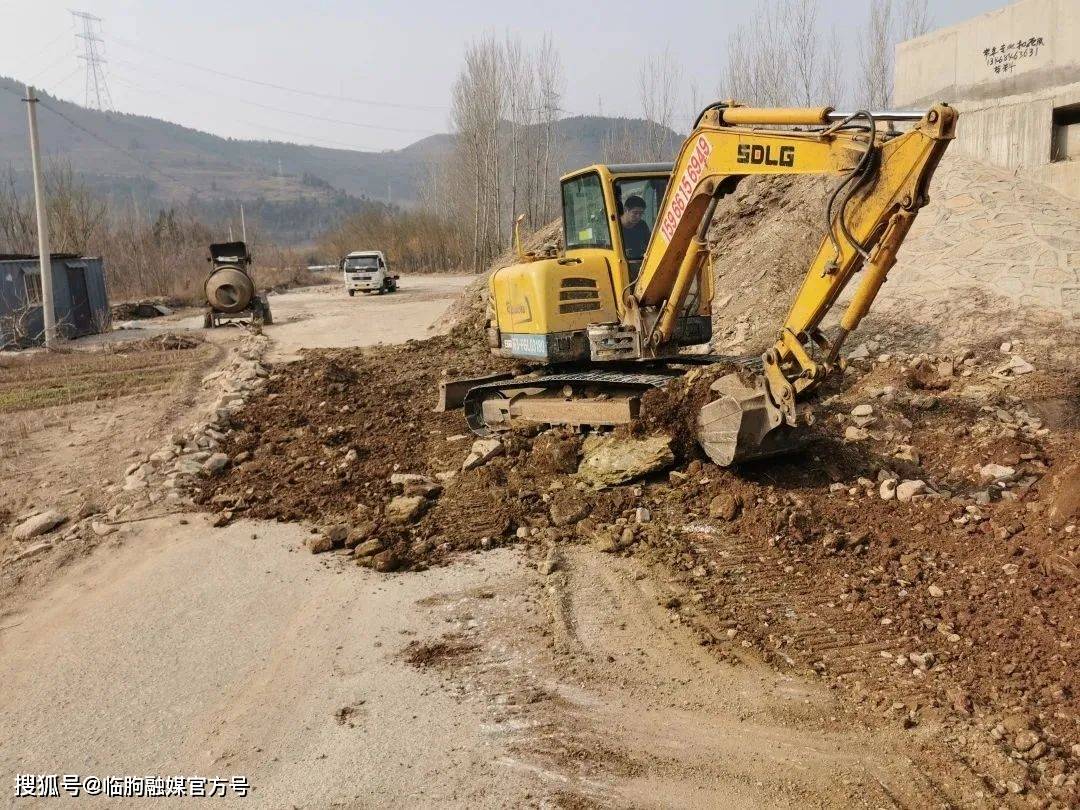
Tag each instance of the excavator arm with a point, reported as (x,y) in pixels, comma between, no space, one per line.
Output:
(883,183)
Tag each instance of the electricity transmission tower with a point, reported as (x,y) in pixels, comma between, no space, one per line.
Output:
(88,29)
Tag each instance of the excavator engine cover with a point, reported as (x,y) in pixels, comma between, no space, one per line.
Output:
(743,424)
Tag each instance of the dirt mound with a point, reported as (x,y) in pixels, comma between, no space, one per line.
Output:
(169,341)
(989,249)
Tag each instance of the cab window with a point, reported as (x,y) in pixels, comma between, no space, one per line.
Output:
(647,190)
(585,220)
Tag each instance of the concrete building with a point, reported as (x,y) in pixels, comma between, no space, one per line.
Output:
(1015,75)
(80,298)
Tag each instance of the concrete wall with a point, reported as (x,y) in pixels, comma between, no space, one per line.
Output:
(1006,71)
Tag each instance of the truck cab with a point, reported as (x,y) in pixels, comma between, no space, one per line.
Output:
(367,271)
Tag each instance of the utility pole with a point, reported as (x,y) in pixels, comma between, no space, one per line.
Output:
(44,256)
(243,224)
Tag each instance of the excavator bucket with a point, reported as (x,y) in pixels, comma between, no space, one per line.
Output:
(741,423)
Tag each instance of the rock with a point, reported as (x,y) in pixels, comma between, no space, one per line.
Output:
(1025,740)
(608,460)
(887,490)
(1014,368)
(960,700)
(860,352)
(936,591)
(606,542)
(567,507)
(1065,497)
(215,463)
(483,450)
(725,506)
(337,533)
(427,490)
(221,519)
(359,533)
(924,402)
(38,524)
(404,479)
(923,661)
(101,529)
(946,368)
(368,548)
(996,472)
(319,543)
(642,515)
(907,490)
(385,561)
(862,410)
(445,476)
(856,434)
(906,452)
(404,509)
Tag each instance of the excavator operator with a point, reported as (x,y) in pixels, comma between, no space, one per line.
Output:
(635,233)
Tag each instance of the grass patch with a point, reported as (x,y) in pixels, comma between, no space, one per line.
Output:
(39,380)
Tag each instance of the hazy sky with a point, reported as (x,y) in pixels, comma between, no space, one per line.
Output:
(396,53)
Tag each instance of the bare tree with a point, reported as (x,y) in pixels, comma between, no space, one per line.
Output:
(659,81)
(800,28)
(914,19)
(758,63)
(831,87)
(550,80)
(876,56)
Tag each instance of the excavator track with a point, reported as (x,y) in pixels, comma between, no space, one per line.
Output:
(594,398)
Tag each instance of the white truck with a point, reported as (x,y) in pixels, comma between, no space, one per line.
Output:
(367,271)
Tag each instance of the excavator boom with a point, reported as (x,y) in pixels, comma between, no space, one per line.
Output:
(884,180)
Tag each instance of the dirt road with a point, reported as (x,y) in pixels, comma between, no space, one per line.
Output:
(178,649)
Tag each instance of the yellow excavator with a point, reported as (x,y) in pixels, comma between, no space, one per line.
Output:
(607,320)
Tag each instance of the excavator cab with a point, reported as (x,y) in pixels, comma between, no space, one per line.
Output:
(542,308)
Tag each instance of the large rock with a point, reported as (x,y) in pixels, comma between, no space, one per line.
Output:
(483,450)
(215,463)
(907,490)
(609,460)
(38,524)
(404,509)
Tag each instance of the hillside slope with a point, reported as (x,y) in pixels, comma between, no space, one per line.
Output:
(161,161)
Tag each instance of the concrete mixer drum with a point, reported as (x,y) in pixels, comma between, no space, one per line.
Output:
(230,289)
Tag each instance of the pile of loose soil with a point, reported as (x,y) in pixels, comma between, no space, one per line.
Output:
(956,604)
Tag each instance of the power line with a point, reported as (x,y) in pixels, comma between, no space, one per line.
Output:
(311,93)
(116,148)
(273,108)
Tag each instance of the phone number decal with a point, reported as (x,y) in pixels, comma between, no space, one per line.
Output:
(690,176)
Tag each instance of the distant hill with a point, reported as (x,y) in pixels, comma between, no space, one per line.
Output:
(151,162)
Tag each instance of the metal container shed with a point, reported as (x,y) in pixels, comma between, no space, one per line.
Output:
(80,298)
